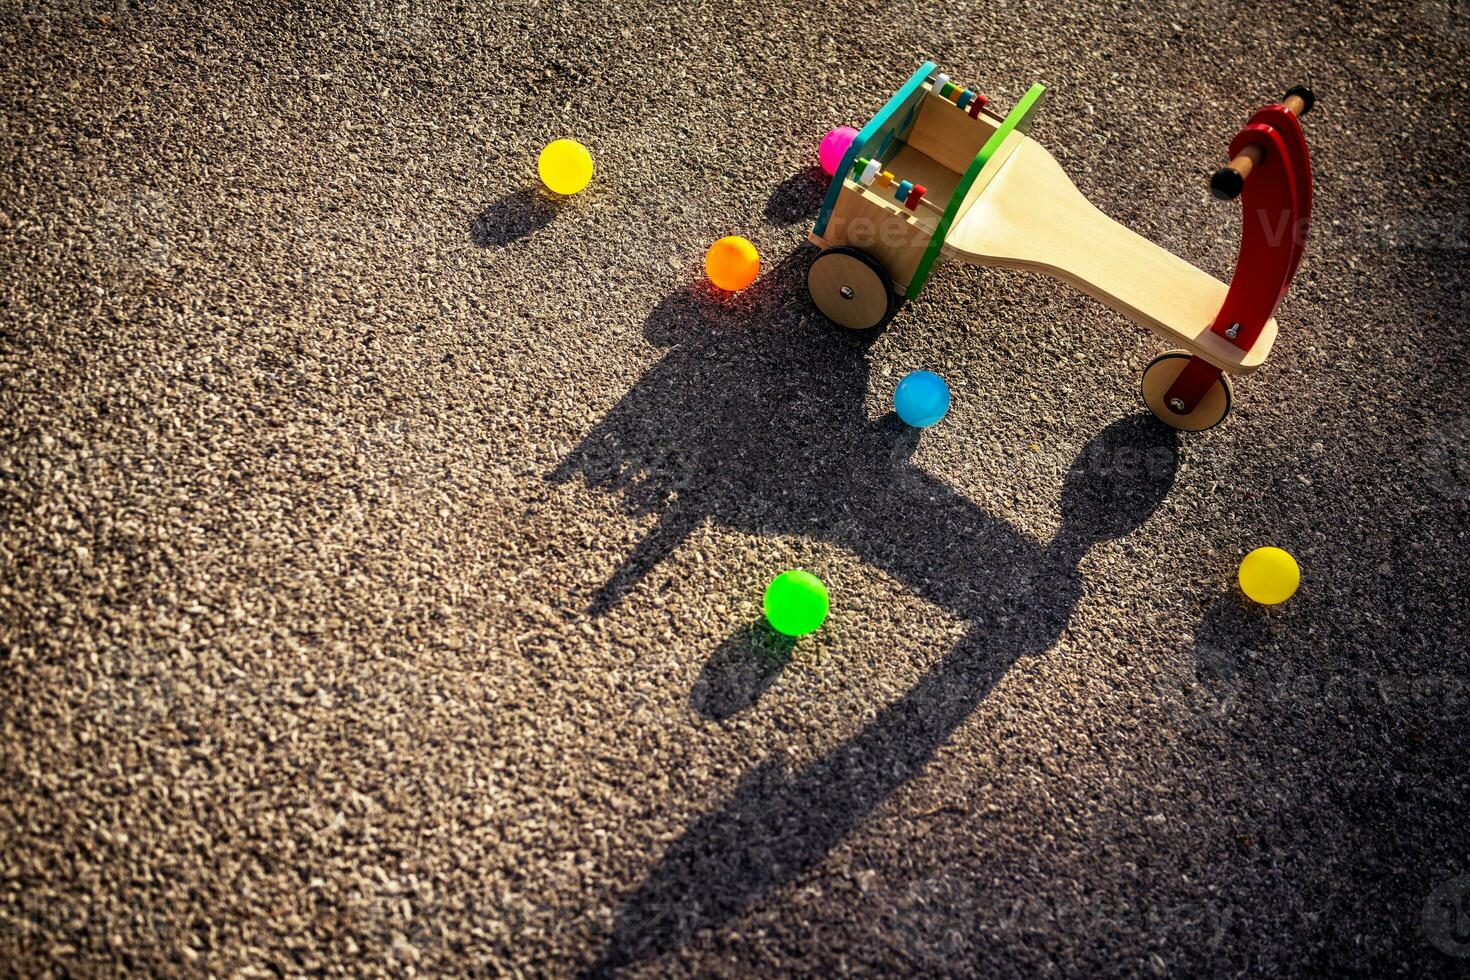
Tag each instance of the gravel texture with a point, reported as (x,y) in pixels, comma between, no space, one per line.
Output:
(383,541)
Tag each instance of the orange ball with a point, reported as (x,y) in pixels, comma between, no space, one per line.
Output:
(732,263)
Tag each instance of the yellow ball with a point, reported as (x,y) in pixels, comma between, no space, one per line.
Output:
(732,263)
(565,166)
(1269,575)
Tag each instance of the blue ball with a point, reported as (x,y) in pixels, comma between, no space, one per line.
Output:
(921,399)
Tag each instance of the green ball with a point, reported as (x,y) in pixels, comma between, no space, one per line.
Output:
(796,602)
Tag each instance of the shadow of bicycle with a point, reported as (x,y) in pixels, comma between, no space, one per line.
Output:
(756,418)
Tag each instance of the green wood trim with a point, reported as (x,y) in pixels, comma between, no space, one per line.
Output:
(1018,120)
(878,122)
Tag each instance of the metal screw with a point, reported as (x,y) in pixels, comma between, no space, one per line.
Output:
(1176,405)
(1234,329)
(846,292)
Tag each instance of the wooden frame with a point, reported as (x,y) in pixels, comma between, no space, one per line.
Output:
(1009,203)
(1031,216)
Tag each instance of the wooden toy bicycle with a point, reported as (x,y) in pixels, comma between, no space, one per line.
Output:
(936,170)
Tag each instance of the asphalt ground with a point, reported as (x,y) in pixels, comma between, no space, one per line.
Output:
(383,541)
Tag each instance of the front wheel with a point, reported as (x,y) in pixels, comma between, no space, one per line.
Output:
(851,288)
(1209,411)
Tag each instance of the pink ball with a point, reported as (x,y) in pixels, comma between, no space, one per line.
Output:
(834,145)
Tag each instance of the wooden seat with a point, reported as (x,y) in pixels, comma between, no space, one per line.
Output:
(1029,215)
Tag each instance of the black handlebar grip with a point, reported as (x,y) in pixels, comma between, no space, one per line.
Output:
(1303,93)
(1227,183)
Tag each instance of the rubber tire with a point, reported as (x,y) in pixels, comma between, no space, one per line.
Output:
(1212,408)
(865,275)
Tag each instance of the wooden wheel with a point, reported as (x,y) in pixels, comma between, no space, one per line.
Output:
(851,288)
(1210,411)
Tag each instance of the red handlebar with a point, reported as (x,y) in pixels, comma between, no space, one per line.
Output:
(1276,199)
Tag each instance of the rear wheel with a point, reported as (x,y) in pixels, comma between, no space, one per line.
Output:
(851,288)
(1209,411)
